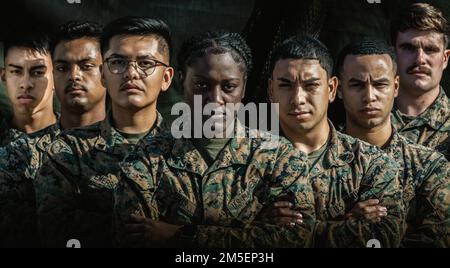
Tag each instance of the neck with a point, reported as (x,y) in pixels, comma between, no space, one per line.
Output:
(134,121)
(416,104)
(309,141)
(378,136)
(31,121)
(70,119)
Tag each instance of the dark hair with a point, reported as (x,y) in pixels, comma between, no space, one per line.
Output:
(366,47)
(217,42)
(421,17)
(303,47)
(76,30)
(33,39)
(139,26)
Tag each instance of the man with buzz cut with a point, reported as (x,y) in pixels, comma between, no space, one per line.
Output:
(77,61)
(75,183)
(420,35)
(343,170)
(369,85)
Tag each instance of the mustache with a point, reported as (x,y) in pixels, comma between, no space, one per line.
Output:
(416,68)
(72,86)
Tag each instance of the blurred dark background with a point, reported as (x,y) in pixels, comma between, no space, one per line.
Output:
(264,23)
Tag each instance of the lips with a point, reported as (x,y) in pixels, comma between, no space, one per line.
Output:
(300,115)
(130,87)
(25,98)
(370,111)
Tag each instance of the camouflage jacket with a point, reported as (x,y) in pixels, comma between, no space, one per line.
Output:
(173,183)
(17,203)
(431,128)
(354,171)
(74,187)
(425,177)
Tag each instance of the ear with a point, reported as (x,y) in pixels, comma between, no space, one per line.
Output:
(102,71)
(446,56)
(3,74)
(244,87)
(270,89)
(167,78)
(333,84)
(396,85)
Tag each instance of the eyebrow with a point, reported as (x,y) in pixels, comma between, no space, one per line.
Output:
(15,66)
(284,80)
(82,60)
(381,80)
(204,77)
(115,55)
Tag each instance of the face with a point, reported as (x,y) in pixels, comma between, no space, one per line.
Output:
(219,80)
(77,74)
(422,59)
(368,88)
(28,79)
(303,90)
(134,88)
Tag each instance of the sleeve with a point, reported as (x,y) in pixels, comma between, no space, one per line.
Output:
(62,213)
(430,212)
(379,182)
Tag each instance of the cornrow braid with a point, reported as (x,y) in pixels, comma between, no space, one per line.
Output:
(218,42)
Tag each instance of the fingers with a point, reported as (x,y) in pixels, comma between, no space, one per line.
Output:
(285,212)
(282,204)
(368,203)
(288,221)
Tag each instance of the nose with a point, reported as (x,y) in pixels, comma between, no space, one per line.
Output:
(25,82)
(132,72)
(369,94)
(214,95)
(75,74)
(299,97)
(420,57)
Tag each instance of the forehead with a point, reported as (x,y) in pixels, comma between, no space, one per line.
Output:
(363,64)
(215,64)
(420,37)
(77,48)
(21,56)
(134,46)
(299,67)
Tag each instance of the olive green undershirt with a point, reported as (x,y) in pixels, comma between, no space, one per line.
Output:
(209,149)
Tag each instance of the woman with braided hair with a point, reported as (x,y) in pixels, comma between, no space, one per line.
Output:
(209,192)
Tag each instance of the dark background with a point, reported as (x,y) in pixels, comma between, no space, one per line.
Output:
(263,23)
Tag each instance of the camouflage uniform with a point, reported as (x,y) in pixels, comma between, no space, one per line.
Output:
(168,180)
(17,202)
(425,177)
(431,128)
(18,206)
(353,171)
(75,183)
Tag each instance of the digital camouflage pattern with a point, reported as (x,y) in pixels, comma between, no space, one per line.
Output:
(353,171)
(431,128)
(168,180)
(17,202)
(74,187)
(18,205)
(425,177)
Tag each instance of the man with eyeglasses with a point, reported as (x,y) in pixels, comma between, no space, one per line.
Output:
(76,181)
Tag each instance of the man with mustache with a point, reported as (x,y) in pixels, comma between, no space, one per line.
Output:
(343,170)
(422,110)
(77,63)
(369,85)
(75,183)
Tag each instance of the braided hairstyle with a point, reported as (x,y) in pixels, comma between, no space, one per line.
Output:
(218,42)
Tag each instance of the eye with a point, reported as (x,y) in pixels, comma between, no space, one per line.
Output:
(284,85)
(229,87)
(16,72)
(87,67)
(146,64)
(37,73)
(312,86)
(61,68)
(200,86)
(117,62)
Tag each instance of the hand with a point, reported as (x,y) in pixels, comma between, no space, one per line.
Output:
(281,213)
(143,232)
(369,210)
